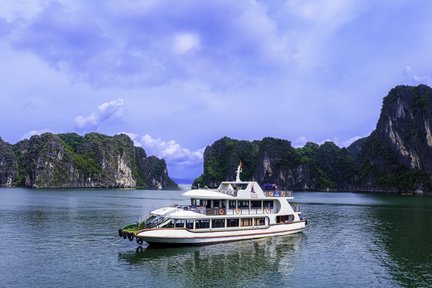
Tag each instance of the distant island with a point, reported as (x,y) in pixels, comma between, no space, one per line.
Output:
(73,161)
(396,157)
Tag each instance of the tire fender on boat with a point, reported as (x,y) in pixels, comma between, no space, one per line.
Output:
(139,241)
(120,232)
(125,235)
(130,236)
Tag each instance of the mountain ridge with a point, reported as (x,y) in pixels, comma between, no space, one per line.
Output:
(69,160)
(396,157)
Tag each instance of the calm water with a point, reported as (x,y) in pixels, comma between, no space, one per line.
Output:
(68,238)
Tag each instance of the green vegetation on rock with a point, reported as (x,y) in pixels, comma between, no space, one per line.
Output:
(91,161)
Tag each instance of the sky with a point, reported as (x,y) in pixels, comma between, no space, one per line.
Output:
(178,75)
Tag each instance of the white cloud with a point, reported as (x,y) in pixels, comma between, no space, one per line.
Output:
(106,112)
(299,142)
(171,151)
(417,79)
(351,140)
(35,132)
(186,42)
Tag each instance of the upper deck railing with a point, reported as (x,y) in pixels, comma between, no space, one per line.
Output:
(278,193)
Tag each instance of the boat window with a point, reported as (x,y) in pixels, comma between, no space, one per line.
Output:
(232,204)
(246,222)
(218,223)
(216,203)
(170,224)
(243,204)
(179,223)
(233,222)
(202,224)
(193,202)
(255,204)
(239,186)
(284,218)
(260,221)
(223,204)
(202,203)
(189,224)
(268,204)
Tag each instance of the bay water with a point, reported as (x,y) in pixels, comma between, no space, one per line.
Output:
(68,238)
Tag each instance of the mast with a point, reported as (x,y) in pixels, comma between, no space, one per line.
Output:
(239,170)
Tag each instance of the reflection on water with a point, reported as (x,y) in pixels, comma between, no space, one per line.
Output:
(253,263)
(405,235)
(68,238)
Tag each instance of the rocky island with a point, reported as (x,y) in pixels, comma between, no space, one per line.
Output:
(73,161)
(396,157)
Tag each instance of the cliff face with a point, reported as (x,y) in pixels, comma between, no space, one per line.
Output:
(271,160)
(397,156)
(8,164)
(92,161)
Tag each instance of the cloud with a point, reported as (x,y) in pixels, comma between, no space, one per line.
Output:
(186,42)
(35,132)
(351,140)
(171,151)
(417,79)
(107,111)
(135,43)
(300,142)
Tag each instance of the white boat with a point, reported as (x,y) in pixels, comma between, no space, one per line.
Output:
(236,210)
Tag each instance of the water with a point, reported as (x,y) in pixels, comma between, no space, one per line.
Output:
(68,238)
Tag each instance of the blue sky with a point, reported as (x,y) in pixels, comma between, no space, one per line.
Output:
(178,75)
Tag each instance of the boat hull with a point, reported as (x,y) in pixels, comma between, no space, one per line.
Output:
(188,237)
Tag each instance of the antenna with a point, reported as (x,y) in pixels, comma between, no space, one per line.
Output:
(239,170)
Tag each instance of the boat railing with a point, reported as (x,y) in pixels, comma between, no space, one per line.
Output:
(230,211)
(278,193)
(155,221)
(252,211)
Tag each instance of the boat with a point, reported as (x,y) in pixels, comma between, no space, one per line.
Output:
(236,210)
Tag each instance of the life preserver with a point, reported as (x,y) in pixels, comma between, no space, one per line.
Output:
(270,194)
(237,211)
(283,194)
(221,211)
(267,210)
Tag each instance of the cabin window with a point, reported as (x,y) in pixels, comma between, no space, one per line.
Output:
(202,224)
(243,204)
(218,223)
(202,203)
(232,204)
(260,221)
(170,224)
(189,224)
(193,202)
(256,204)
(268,204)
(216,203)
(246,222)
(285,219)
(179,223)
(233,222)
